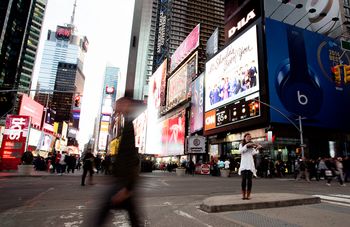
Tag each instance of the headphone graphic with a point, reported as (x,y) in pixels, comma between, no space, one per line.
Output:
(296,84)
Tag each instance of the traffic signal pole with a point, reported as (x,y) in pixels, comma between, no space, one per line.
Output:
(300,128)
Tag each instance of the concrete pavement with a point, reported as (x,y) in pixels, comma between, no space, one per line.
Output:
(258,201)
(220,203)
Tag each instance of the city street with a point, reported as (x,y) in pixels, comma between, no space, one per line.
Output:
(166,200)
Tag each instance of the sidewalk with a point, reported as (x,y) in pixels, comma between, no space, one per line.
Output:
(258,201)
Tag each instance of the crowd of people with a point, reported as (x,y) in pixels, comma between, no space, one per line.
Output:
(64,163)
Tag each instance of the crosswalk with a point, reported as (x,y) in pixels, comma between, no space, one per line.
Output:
(337,199)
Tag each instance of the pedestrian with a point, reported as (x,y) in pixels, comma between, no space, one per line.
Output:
(126,167)
(303,170)
(247,149)
(88,163)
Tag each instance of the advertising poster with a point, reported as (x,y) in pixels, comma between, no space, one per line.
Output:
(179,83)
(197,104)
(102,139)
(176,134)
(233,73)
(14,141)
(186,47)
(140,131)
(31,108)
(309,76)
(157,85)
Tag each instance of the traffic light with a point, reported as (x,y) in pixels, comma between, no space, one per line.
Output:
(337,74)
(77,101)
(346,74)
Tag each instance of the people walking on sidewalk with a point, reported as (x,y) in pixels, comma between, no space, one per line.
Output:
(247,149)
(88,162)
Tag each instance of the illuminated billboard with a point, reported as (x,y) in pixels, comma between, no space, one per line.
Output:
(140,131)
(63,32)
(103,136)
(197,104)
(33,109)
(233,73)
(190,43)
(179,83)
(308,76)
(14,141)
(156,94)
(175,136)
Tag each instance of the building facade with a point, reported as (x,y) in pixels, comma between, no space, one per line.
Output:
(159,27)
(62,46)
(20,28)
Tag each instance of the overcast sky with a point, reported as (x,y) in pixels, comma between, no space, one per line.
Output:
(107,25)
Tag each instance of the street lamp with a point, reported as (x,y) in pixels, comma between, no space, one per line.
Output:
(300,128)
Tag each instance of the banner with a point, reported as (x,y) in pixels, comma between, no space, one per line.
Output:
(14,141)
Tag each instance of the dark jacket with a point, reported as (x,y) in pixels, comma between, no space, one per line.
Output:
(126,165)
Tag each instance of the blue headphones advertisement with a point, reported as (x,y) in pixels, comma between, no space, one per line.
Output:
(308,76)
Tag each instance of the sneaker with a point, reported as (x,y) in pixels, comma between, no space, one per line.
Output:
(343,185)
(328,184)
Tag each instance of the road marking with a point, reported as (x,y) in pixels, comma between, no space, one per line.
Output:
(33,201)
(184,214)
(341,195)
(163,182)
(333,198)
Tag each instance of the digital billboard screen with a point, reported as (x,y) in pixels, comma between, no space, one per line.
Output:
(237,111)
(33,109)
(308,76)
(186,47)
(197,104)
(179,83)
(233,73)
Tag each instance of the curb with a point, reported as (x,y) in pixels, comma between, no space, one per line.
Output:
(260,201)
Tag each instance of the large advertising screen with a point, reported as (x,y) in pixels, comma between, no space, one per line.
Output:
(186,47)
(233,73)
(140,131)
(197,104)
(167,137)
(103,135)
(33,109)
(308,76)
(156,94)
(176,134)
(14,141)
(240,110)
(179,83)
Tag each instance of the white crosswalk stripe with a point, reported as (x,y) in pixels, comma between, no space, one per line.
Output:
(338,199)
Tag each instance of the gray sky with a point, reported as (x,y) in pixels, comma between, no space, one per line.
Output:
(107,25)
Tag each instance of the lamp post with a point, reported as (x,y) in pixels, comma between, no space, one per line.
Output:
(299,128)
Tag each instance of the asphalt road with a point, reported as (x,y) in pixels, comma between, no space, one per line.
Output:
(165,200)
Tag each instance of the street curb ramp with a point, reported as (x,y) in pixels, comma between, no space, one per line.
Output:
(258,201)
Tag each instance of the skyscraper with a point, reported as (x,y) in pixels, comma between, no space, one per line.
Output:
(112,75)
(159,27)
(20,28)
(62,45)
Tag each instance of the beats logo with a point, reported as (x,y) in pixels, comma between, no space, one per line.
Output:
(296,84)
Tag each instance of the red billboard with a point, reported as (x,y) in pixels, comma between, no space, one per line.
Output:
(14,141)
(33,109)
(186,47)
(176,134)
